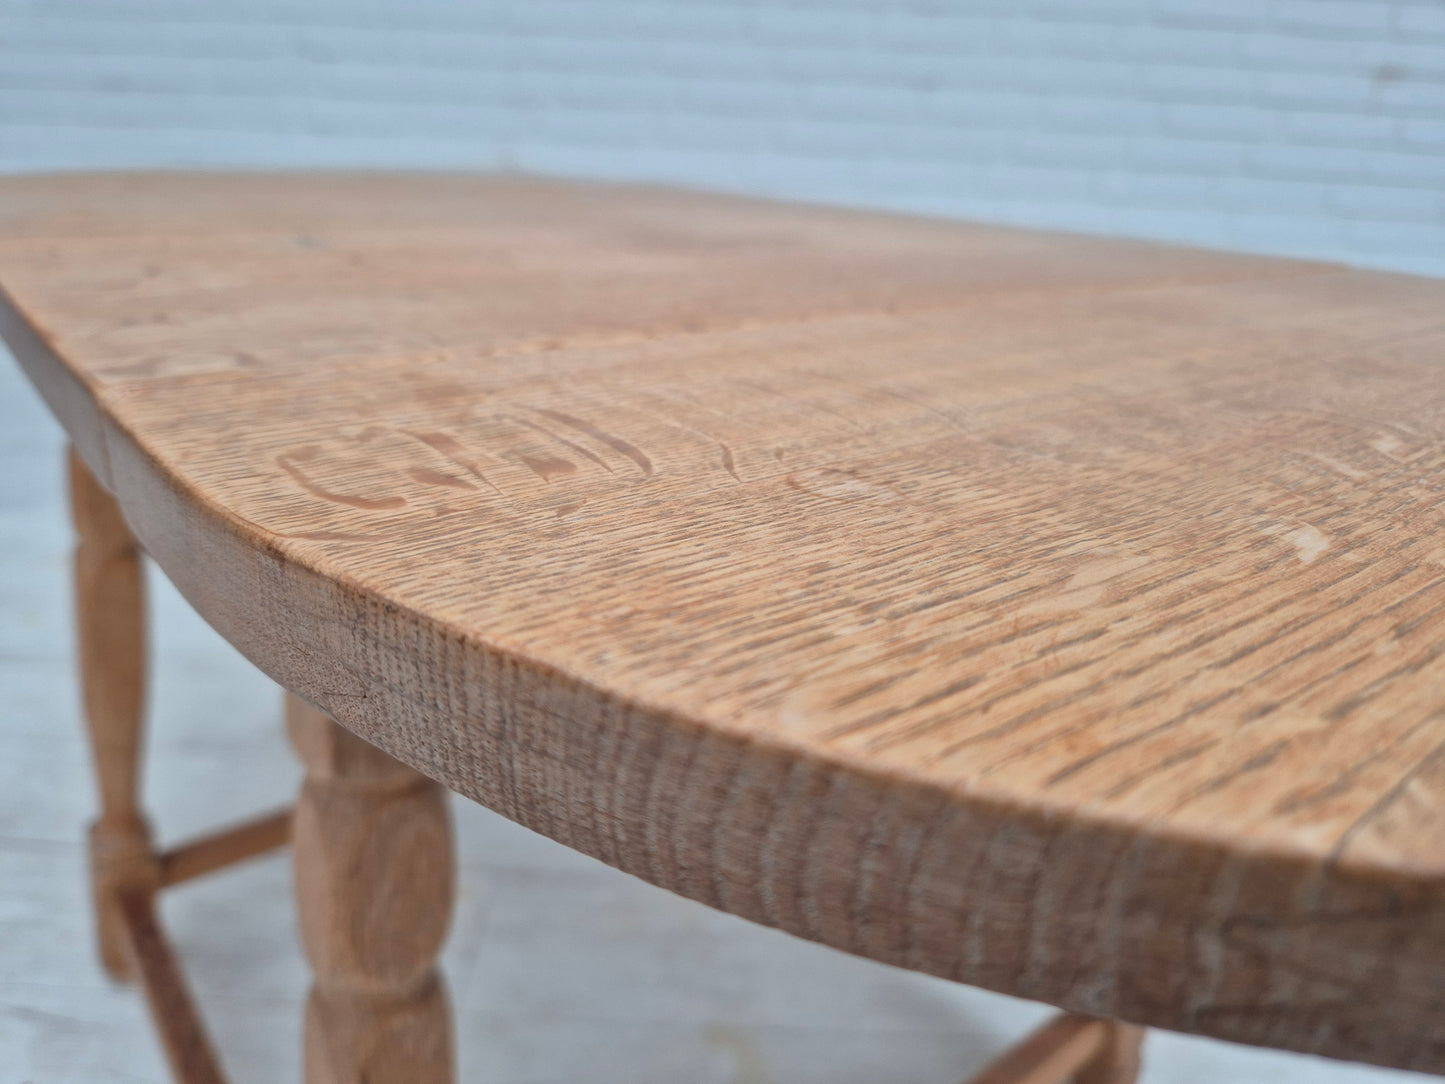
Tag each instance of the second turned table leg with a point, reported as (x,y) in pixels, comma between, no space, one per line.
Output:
(374,882)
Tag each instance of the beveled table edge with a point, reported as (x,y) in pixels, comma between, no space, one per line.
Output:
(953,884)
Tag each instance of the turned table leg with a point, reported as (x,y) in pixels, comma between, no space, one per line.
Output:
(110,623)
(374,876)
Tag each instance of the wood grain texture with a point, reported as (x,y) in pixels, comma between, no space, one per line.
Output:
(1058,615)
(374,885)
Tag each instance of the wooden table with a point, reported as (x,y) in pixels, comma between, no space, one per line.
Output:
(1057,615)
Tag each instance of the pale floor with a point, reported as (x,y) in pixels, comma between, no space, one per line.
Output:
(561,969)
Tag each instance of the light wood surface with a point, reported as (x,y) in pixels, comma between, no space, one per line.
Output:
(1062,616)
(213,852)
(374,884)
(110,625)
(187,1047)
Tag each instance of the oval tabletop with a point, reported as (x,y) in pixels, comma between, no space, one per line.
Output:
(1059,615)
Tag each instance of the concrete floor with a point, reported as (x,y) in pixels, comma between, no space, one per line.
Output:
(561,969)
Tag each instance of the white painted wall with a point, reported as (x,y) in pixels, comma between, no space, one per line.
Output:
(1312,127)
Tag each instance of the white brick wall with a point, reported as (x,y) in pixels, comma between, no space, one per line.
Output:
(1311,127)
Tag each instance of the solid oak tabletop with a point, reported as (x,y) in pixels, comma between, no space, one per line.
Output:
(1060,615)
